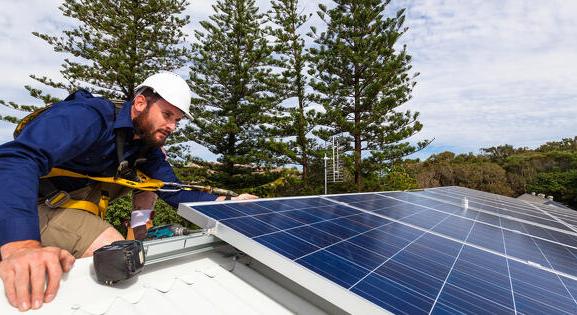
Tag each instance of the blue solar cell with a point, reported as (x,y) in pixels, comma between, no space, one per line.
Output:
(277,205)
(429,261)
(361,256)
(480,285)
(392,296)
(362,222)
(454,227)
(488,218)
(314,236)
(522,246)
(380,242)
(337,269)
(399,212)
(493,266)
(286,244)
(331,212)
(438,244)
(219,212)
(336,229)
(465,302)
(378,203)
(487,236)
(426,219)
(278,220)
(302,216)
(248,208)
(250,227)
(415,279)
(369,220)
(538,290)
(558,256)
(448,208)
(400,230)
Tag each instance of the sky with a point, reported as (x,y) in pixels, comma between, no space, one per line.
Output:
(491,72)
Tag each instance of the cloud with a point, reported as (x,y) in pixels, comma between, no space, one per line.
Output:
(494,72)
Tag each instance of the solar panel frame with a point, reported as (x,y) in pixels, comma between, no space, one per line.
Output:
(347,301)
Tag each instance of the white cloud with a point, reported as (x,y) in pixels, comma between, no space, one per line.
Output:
(494,72)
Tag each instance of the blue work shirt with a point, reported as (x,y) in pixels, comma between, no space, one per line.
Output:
(76,134)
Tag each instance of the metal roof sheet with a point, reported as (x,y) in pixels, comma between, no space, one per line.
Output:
(198,283)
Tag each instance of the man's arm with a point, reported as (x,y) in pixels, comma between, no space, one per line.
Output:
(58,135)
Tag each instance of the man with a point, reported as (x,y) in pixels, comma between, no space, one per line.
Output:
(79,134)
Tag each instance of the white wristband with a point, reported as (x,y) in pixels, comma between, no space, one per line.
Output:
(139,217)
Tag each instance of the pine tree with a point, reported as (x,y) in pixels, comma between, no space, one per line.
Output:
(114,47)
(231,77)
(361,77)
(296,120)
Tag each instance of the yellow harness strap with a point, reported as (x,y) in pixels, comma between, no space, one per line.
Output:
(147,183)
(59,200)
(84,205)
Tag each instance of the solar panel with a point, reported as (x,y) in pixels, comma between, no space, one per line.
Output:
(410,252)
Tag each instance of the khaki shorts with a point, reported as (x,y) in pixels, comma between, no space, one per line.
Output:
(72,229)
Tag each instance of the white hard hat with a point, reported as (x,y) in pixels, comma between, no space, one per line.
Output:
(171,87)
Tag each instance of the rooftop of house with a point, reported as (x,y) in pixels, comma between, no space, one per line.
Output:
(209,282)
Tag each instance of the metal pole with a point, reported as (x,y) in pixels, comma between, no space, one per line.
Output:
(326,158)
(334,161)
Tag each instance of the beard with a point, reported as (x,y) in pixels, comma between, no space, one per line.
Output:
(145,130)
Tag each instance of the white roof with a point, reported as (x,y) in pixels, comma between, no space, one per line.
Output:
(201,283)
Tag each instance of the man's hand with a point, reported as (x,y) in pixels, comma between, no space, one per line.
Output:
(240,197)
(23,269)
(244,197)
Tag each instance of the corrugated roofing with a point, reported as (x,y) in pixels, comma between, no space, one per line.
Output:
(201,283)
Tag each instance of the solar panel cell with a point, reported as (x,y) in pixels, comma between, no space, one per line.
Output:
(314,236)
(250,227)
(392,295)
(417,280)
(487,236)
(357,253)
(468,303)
(335,268)
(278,220)
(426,219)
(287,244)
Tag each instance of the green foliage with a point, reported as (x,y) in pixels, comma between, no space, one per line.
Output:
(361,78)
(468,170)
(231,77)
(562,185)
(566,144)
(115,46)
(118,213)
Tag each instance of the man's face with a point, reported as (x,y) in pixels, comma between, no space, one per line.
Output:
(156,122)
